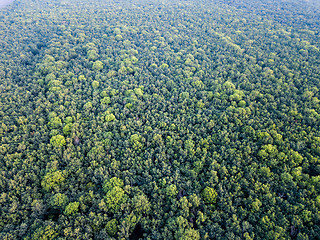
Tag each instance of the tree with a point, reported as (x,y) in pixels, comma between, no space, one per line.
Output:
(58,141)
(188,234)
(72,208)
(67,129)
(109,184)
(59,200)
(114,198)
(171,191)
(158,133)
(53,180)
(45,233)
(95,84)
(141,204)
(110,117)
(97,66)
(105,100)
(209,195)
(112,227)
(135,140)
(55,122)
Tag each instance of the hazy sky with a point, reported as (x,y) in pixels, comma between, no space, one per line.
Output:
(4,2)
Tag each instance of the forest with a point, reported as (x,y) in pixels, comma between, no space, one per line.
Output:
(172,119)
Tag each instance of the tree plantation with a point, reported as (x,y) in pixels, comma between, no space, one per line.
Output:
(145,119)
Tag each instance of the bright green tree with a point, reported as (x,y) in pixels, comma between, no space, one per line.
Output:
(209,195)
(72,208)
(95,84)
(45,233)
(109,184)
(114,198)
(110,117)
(53,180)
(58,141)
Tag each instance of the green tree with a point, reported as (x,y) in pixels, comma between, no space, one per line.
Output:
(58,141)
(110,117)
(53,180)
(141,204)
(55,122)
(171,190)
(45,233)
(209,195)
(112,227)
(59,200)
(95,84)
(105,100)
(72,208)
(97,66)
(187,234)
(109,184)
(135,140)
(67,129)
(114,198)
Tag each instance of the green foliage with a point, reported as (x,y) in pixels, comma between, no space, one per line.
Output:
(164,66)
(45,233)
(195,200)
(256,205)
(53,180)
(59,200)
(242,103)
(119,37)
(135,140)
(129,105)
(296,158)
(109,184)
(50,77)
(141,204)
(54,132)
(171,191)
(112,227)
(97,66)
(95,84)
(88,106)
(189,145)
(198,84)
(68,120)
(92,55)
(138,92)
(72,208)
(184,95)
(111,73)
(105,100)
(209,195)
(143,112)
(188,234)
(55,122)
(267,151)
(82,78)
(58,141)
(114,198)
(67,129)
(110,117)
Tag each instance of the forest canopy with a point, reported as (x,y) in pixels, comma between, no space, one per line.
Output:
(160,119)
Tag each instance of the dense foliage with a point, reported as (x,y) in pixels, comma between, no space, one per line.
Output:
(159,119)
